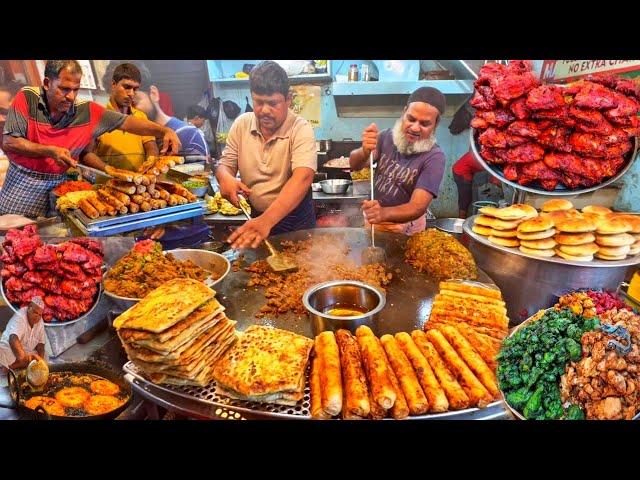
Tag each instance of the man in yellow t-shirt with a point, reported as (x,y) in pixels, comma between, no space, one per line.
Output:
(118,148)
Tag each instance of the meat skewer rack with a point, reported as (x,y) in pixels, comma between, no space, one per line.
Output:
(106,226)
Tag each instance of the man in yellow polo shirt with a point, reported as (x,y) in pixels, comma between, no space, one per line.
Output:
(118,148)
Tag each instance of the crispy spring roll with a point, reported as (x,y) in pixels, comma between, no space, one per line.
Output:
(471,358)
(477,393)
(118,174)
(123,197)
(356,393)
(134,208)
(162,165)
(145,206)
(156,204)
(98,205)
(88,209)
(180,200)
(458,399)
(146,195)
(316,401)
(171,201)
(416,399)
(164,195)
(400,407)
(163,203)
(140,189)
(145,180)
(435,394)
(376,412)
(148,163)
(104,194)
(478,341)
(330,376)
(125,187)
(137,199)
(375,367)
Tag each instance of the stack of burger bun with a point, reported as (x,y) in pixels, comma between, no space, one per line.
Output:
(575,239)
(500,224)
(634,223)
(536,237)
(613,239)
(558,210)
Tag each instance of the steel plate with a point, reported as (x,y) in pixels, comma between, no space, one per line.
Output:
(496,171)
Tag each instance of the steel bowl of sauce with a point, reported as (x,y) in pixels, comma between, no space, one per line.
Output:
(343,304)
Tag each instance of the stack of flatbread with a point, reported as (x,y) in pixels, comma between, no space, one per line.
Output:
(476,310)
(265,365)
(176,333)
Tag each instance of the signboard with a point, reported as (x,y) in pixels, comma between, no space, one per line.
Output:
(567,70)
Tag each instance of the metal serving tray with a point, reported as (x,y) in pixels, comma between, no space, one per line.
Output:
(106,221)
(179,397)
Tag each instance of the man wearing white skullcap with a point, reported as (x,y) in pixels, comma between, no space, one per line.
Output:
(23,339)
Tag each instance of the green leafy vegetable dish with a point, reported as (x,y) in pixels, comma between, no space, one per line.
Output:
(532,360)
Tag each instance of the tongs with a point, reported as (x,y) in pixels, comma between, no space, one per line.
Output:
(278,262)
(373,254)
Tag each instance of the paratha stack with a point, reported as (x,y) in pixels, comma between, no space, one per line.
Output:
(265,365)
(476,310)
(176,333)
(500,224)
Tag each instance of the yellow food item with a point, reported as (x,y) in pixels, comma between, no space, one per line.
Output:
(72,397)
(72,199)
(100,404)
(104,387)
(241,75)
(364,174)
(225,207)
(50,405)
(440,255)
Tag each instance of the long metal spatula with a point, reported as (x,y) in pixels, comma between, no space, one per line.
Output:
(278,262)
(373,254)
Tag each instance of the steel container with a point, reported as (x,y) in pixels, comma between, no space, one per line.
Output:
(530,283)
(496,171)
(205,259)
(335,186)
(450,225)
(325,295)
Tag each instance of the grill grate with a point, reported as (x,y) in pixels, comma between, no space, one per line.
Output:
(209,396)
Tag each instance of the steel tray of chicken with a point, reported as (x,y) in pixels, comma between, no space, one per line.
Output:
(67,276)
(554,139)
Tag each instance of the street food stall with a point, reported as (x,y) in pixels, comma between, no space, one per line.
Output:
(518,319)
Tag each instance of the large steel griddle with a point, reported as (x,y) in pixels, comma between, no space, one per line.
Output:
(409,295)
(409,298)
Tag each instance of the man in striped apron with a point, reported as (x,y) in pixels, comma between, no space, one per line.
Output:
(47,131)
(274,151)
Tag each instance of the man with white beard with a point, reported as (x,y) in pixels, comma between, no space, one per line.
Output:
(410,165)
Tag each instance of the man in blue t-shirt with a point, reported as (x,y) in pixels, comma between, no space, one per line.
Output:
(410,165)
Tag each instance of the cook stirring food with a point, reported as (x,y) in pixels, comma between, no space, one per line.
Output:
(275,152)
(410,165)
(23,338)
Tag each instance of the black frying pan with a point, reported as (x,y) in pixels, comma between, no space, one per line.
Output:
(40,413)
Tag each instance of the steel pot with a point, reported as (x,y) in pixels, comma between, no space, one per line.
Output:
(324,296)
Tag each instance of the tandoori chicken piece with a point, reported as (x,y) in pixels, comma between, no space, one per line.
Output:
(556,137)
(13,269)
(602,128)
(515,140)
(539,171)
(519,66)
(587,115)
(519,108)
(593,95)
(529,152)
(617,149)
(545,97)
(483,98)
(492,137)
(498,118)
(75,253)
(512,86)
(479,124)
(626,107)
(511,172)
(588,144)
(557,114)
(628,87)
(489,71)
(491,155)
(606,79)
(527,128)
(90,244)
(45,254)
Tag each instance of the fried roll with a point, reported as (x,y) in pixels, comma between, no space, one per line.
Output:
(330,375)
(435,394)
(356,393)
(375,367)
(458,399)
(316,401)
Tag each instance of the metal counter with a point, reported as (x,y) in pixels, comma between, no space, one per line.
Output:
(530,283)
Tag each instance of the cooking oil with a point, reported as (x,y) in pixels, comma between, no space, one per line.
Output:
(345,310)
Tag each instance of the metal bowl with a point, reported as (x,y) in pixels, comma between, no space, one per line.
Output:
(198,191)
(496,171)
(335,186)
(206,259)
(316,187)
(96,301)
(324,296)
(450,225)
